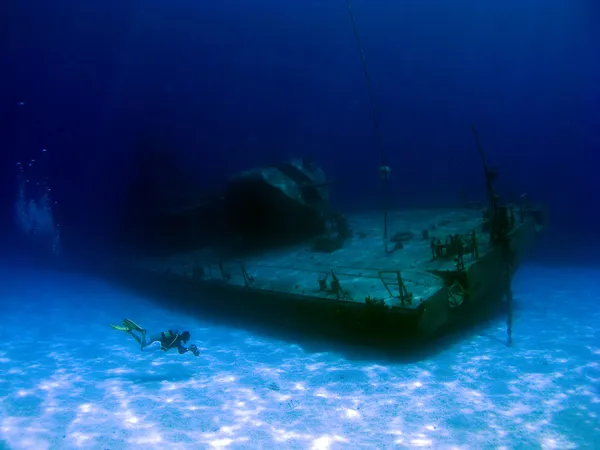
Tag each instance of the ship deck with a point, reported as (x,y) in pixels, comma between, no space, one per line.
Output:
(362,267)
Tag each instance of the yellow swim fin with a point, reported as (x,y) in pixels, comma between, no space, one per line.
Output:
(120,328)
(131,325)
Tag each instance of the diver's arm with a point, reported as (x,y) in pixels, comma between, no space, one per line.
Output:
(192,348)
(181,349)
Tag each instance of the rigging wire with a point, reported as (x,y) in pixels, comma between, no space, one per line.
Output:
(384,169)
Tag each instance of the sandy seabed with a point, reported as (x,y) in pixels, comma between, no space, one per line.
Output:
(67,380)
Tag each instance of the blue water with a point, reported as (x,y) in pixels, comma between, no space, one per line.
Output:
(116,106)
(67,380)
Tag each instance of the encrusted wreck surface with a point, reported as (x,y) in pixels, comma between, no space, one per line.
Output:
(296,270)
(278,204)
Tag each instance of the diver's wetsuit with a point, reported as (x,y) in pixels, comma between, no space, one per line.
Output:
(168,340)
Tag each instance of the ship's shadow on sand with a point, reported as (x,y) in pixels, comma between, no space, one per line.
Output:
(303,328)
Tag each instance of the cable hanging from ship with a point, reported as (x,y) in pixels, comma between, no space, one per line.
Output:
(384,170)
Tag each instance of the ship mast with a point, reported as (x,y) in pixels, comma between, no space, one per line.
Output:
(498,233)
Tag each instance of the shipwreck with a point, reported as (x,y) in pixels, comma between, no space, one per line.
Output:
(290,257)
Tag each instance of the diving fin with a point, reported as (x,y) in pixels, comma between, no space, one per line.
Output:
(130,324)
(120,328)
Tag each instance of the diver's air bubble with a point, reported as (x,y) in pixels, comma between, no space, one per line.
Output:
(33,209)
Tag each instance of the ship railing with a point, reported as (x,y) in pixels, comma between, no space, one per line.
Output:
(345,283)
(456,246)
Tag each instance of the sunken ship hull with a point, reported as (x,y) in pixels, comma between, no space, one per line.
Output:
(333,276)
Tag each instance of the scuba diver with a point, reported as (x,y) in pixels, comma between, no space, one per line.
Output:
(168,339)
